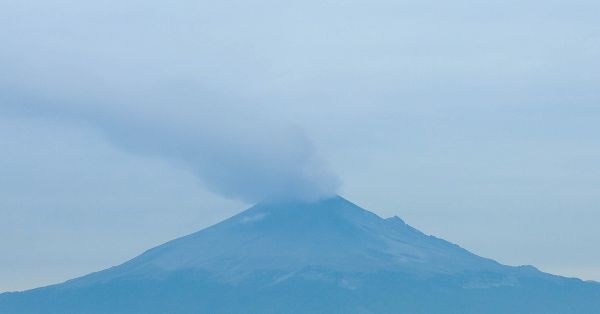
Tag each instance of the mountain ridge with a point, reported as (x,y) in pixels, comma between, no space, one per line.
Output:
(309,257)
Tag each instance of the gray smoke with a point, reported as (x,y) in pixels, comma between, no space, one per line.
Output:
(184,83)
(233,150)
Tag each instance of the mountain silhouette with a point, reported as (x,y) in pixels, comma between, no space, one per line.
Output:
(329,256)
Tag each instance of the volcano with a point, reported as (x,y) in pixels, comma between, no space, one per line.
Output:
(329,256)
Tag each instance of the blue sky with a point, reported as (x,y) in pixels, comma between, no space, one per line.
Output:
(476,122)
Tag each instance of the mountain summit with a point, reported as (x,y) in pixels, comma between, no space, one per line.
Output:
(329,256)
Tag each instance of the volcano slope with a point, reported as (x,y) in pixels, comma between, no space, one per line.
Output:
(329,256)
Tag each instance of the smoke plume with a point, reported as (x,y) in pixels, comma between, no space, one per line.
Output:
(161,81)
(231,149)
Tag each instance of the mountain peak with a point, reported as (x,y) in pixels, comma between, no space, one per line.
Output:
(290,236)
(336,205)
(310,257)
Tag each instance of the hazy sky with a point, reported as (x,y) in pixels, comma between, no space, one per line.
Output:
(124,124)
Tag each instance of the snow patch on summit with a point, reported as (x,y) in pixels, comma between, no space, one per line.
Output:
(253,218)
